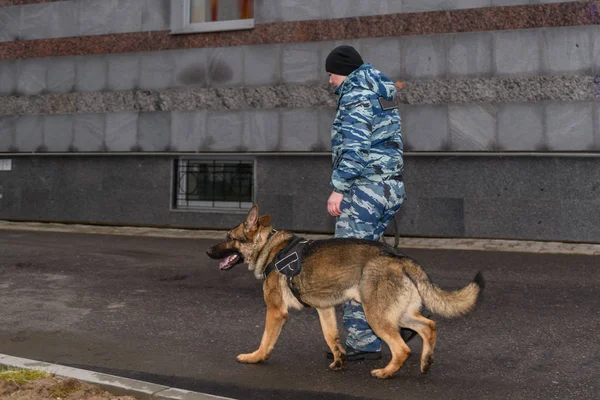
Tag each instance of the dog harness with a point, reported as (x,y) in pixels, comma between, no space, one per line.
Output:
(289,263)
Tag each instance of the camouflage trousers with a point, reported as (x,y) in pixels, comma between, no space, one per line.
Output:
(366,212)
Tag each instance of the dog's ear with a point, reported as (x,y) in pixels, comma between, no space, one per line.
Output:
(264,220)
(252,218)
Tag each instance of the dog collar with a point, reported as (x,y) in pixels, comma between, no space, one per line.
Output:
(273,231)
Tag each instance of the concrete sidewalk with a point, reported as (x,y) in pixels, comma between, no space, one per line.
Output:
(113,384)
(517,246)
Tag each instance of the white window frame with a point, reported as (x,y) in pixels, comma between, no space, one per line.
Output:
(180,21)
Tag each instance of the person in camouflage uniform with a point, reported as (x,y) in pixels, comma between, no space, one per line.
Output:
(367,153)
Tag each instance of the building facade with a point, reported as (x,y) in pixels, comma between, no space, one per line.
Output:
(181,113)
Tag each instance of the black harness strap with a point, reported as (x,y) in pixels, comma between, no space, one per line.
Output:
(288,262)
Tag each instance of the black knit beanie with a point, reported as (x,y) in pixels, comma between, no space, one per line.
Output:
(343,60)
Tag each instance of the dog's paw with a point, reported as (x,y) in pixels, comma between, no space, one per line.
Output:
(426,364)
(381,373)
(336,365)
(251,358)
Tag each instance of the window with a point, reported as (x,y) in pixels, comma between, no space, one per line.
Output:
(189,16)
(213,184)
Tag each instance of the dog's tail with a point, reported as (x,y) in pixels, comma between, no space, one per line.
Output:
(441,302)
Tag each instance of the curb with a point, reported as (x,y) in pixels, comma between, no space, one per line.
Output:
(114,384)
(504,245)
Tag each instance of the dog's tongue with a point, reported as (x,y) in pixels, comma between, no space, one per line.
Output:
(228,262)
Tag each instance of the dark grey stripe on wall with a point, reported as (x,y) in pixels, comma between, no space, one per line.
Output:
(554,198)
(8,3)
(457,91)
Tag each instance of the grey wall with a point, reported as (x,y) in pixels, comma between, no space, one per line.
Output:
(296,10)
(526,52)
(538,198)
(553,126)
(98,17)
(82,18)
(548,126)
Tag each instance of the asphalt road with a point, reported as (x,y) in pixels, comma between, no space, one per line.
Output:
(160,310)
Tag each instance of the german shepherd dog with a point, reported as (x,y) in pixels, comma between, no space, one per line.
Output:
(391,287)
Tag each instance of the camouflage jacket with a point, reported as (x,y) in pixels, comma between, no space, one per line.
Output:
(366,139)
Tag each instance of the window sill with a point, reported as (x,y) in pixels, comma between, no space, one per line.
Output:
(216,26)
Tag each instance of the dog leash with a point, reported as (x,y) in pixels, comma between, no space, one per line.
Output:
(396,232)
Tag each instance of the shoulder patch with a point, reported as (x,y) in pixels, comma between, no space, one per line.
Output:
(387,104)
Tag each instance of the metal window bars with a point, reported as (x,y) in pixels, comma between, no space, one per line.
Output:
(202,184)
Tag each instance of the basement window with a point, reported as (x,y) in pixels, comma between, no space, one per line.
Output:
(189,16)
(213,184)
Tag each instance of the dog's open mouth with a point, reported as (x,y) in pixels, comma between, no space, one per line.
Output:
(229,262)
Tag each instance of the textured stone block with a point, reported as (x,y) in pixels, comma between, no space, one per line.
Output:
(156,15)
(509,2)
(597,124)
(123,71)
(567,50)
(92,73)
(297,10)
(10,27)
(156,70)
(300,63)
(409,6)
(569,126)
(267,11)
(29,133)
(443,215)
(261,130)
(32,76)
(520,127)
(191,68)
(121,131)
(7,133)
(224,131)
(110,16)
(154,131)
(188,130)
(61,75)
(49,20)
(262,64)
(595,39)
(383,53)
(353,8)
(472,127)
(423,56)
(326,118)
(58,132)
(9,75)
(88,132)
(470,55)
(425,127)
(462,4)
(299,130)
(534,217)
(517,52)
(225,66)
